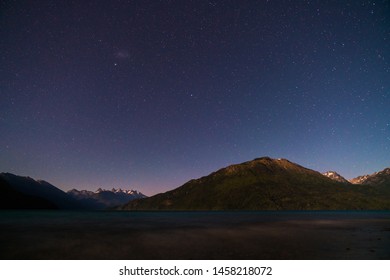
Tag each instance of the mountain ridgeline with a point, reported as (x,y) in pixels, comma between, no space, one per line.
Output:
(11,198)
(101,199)
(381,178)
(336,176)
(267,184)
(260,184)
(19,192)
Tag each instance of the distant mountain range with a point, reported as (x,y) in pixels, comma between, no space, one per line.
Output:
(102,198)
(271,184)
(18,192)
(381,178)
(260,184)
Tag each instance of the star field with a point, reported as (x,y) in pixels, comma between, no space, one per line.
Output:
(149,94)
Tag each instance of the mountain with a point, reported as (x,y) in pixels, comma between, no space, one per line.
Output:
(18,192)
(335,176)
(36,194)
(102,198)
(359,180)
(381,178)
(13,199)
(264,184)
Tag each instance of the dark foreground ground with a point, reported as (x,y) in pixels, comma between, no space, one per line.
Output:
(194,235)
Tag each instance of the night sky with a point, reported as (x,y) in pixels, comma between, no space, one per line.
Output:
(150,94)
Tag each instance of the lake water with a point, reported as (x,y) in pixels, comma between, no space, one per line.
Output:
(195,235)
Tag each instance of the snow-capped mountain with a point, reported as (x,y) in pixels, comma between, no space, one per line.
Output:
(119,191)
(359,179)
(377,178)
(102,198)
(262,184)
(335,176)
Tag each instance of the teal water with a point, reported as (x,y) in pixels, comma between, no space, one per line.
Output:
(195,235)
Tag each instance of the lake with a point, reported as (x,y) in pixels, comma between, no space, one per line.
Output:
(195,235)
